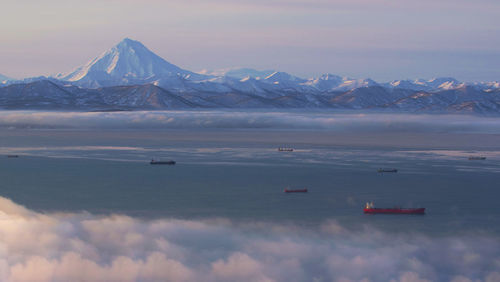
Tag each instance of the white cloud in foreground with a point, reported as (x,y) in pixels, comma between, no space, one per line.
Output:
(84,247)
(322,120)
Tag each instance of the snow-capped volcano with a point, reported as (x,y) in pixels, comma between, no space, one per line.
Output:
(125,63)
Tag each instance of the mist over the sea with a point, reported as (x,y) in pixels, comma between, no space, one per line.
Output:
(68,247)
(233,119)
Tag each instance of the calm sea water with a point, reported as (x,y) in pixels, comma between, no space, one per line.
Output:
(240,175)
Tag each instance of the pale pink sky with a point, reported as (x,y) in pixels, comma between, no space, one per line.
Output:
(381,39)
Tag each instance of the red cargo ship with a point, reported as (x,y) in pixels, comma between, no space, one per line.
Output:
(370,208)
(287,190)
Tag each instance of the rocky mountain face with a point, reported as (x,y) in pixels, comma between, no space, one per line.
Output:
(52,96)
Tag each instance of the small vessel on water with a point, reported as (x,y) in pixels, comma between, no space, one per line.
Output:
(155,162)
(288,190)
(387,170)
(12,156)
(476,158)
(371,209)
(285,149)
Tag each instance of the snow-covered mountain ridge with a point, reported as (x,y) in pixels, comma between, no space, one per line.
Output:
(131,63)
(130,68)
(49,95)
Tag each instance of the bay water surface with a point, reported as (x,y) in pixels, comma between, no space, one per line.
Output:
(233,174)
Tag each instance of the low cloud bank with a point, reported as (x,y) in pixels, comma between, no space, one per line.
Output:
(250,119)
(84,247)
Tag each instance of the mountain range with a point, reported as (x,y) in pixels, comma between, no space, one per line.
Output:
(131,77)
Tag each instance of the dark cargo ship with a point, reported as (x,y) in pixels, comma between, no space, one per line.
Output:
(476,158)
(154,162)
(371,209)
(387,170)
(288,190)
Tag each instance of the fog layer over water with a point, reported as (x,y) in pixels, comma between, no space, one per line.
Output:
(69,247)
(325,120)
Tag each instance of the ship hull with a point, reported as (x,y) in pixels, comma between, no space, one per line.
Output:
(162,163)
(477,158)
(387,170)
(394,211)
(295,191)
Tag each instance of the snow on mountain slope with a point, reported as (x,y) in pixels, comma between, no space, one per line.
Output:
(3,78)
(131,63)
(466,99)
(285,81)
(281,77)
(238,73)
(35,95)
(325,82)
(146,96)
(418,85)
(127,62)
(435,84)
(349,84)
(487,86)
(331,82)
(438,84)
(442,82)
(46,94)
(369,97)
